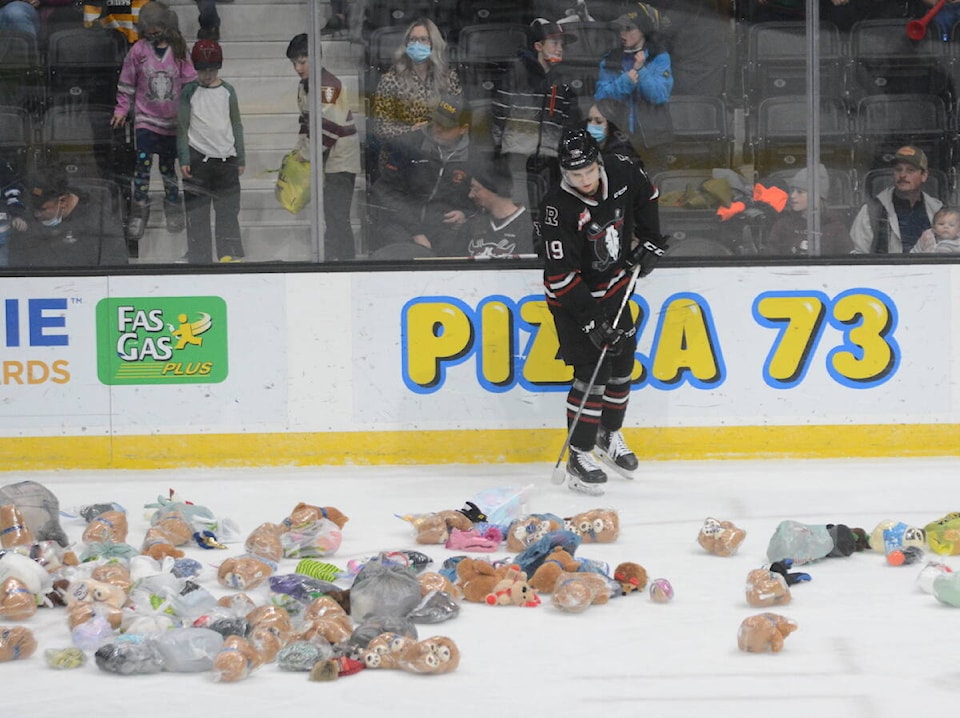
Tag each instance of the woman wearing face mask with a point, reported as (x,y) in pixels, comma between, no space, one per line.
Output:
(153,75)
(410,90)
(67,227)
(603,124)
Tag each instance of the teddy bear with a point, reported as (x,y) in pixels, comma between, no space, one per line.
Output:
(304,514)
(114,573)
(276,619)
(17,602)
(13,528)
(764,632)
(169,529)
(333,629)
(385,650)
(477,578)
(631,577)
(557,562)
(595,525)
(435,528)
(323,607)
(767,588)
(513,590)
(529,529)
(438,654)
(264,541)
(432,581)
(244,572)
(16,643)
(108,527)
(236,660)
(575,592)
(721,538)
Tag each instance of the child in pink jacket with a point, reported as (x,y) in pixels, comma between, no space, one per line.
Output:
(154,72)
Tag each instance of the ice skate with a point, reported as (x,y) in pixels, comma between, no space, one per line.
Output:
(584,474)
(614,452)
(137,223)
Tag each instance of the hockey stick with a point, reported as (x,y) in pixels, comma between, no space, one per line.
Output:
(559,474)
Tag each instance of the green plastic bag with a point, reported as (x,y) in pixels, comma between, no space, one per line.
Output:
(293,183)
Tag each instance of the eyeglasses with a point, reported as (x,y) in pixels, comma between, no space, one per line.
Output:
(419,41)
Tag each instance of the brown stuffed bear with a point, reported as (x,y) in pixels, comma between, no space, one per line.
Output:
(385,650)
(767,588)
(16,643)
(525,531)
(323,607)
(17,602)
(631,576)
(243,572)
(13,528)
(236,660)
(305,514)
(435,528)
(115,574)
(110,526)
(264,542)
(575,592)
(477,578)
(430,656)
(432,581)
(595,525)
(721,538)
(764,632)
(513,590)
(557,562)
(273,618)
(334,629)
(169,530)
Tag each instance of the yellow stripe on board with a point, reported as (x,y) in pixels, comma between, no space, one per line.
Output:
(469,447)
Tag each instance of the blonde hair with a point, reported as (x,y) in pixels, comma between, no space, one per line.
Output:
(438,75)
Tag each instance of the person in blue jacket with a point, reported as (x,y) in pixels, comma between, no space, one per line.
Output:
(638,74)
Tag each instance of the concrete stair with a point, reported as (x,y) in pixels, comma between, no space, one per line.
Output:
(254,37)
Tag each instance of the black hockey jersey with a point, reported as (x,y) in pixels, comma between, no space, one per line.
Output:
(586,240)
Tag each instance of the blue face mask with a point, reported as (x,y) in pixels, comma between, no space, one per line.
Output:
(417,52)
(598,132)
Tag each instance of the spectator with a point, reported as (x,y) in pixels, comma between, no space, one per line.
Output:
(209,20)
(20,16)
(532,106)
(337,22)
(411,88)
(638,73)
(70,229)
(12,209)
(788,236)
(944,236)
(422,194)
(502,228)
(120,15)
(341,149)
(210,145)
(603,124)
(153,75)
(945,19)
(892,222)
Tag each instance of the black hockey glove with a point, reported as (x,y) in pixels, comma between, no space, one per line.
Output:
(647,254)
(602,334)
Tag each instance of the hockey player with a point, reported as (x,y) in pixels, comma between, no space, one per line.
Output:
(600,222)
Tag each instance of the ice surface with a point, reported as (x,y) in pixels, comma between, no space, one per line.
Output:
(869,642)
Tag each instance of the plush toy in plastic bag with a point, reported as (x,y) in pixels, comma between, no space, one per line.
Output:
(40,509)
(504,504)
(293,183)
(943,535)
(801,542)
(383,590)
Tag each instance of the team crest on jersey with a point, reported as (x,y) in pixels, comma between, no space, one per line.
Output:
(329,94)
(583,219)
(606,241)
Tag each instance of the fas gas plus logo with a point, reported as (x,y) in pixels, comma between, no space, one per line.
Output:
(168,340)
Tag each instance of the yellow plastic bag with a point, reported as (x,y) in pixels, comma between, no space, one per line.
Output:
(293,183)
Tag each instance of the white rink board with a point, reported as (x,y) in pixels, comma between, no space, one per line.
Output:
(324,352)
